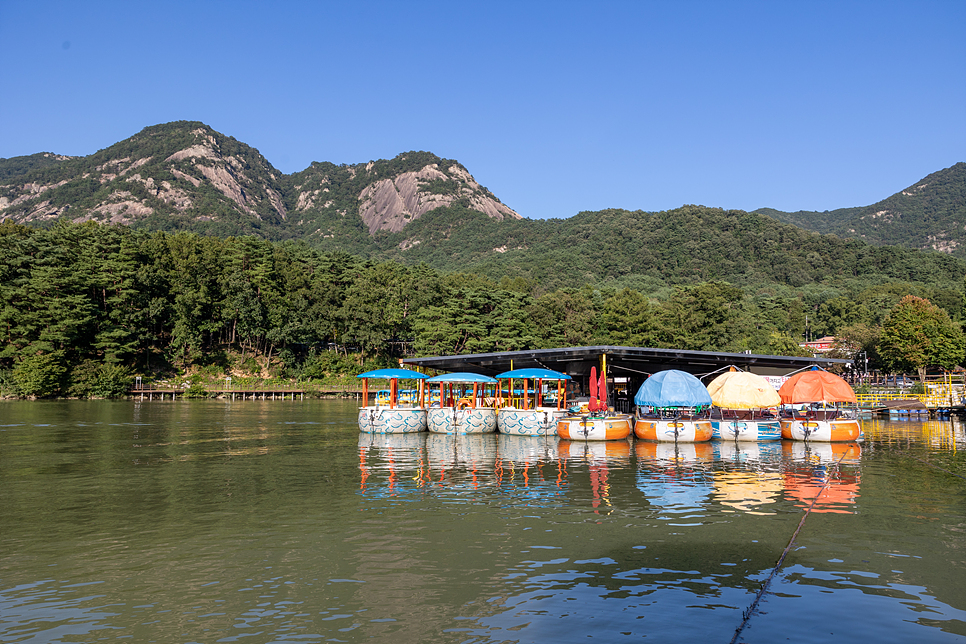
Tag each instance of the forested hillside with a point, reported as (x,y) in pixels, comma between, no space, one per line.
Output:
(206,257)
(650,251)
(83,307)
(19,166)
(929,215)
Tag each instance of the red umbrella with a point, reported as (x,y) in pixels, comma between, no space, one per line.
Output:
(592,405)
(602,391)
(815,386)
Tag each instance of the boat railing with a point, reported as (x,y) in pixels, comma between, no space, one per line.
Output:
(622,405)
(674,413)
(744,414)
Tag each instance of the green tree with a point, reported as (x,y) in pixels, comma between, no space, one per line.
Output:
(707,317)
(39,374)
(919,335)
(629,320)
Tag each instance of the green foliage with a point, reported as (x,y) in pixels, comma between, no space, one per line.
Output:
(90,379)
(919,335)
(326,364)
(40,374)
(89,300)
(17,166)
(196,390)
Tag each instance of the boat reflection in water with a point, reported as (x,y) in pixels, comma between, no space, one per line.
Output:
(676,479)
(461,456)
(531,463)
(599,457)
(674,453)
(401,458)
(767,454)
(753,479)
(527,467)
(748,491)
(823,476)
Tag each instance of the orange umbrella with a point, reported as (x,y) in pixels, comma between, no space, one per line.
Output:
(815,386)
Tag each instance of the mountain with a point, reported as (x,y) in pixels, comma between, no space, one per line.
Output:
(418,207)
(17,166)
(185,175)
(177,175)
(928,215)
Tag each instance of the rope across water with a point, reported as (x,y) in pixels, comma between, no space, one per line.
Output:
(746,615)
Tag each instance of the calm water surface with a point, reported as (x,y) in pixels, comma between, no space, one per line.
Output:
(208,521)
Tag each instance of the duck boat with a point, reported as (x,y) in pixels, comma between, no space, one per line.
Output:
(599,423)
(464,407)
(745,407)
(388,415)
(530,416)
(825,419)
(673,406)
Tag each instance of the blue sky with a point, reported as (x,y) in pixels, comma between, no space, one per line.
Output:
(556,107)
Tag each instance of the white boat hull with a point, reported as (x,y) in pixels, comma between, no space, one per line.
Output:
(824,431)
(449,420)
(681,431)
(746,430)
(401,420)
(528,422)
(585,428)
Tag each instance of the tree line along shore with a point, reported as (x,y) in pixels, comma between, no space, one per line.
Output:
(86,308)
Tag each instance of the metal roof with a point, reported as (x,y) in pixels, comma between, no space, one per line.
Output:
(620,361)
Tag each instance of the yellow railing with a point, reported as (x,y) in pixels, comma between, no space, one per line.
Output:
(942,396)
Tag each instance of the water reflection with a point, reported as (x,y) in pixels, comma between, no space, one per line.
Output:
(177,523)
(676,479)
(766,454)
(397,464)
(823,476)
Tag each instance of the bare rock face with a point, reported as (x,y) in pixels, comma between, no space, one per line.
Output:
(188,173)
(390,204)
(126,187)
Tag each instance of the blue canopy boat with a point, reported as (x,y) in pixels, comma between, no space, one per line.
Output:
(673,406)
(464,407)
(521,415)
(389,416)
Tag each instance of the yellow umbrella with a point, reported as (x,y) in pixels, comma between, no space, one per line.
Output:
(743,390)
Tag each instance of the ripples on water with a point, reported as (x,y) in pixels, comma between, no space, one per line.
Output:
(279,522)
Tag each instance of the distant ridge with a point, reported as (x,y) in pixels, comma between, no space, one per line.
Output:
(928,215)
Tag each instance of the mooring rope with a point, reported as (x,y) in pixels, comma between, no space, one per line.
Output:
(746,615)
(938,468)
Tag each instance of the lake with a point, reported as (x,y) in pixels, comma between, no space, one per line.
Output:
(278,521)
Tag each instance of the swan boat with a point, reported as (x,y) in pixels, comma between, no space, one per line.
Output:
(517,416)
(387,415)
(462,409)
